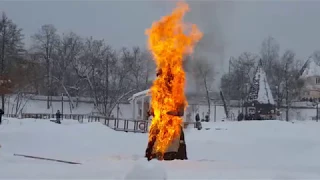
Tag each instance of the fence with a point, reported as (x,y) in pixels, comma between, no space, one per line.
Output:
(128,125)
(117,124)
(78,117)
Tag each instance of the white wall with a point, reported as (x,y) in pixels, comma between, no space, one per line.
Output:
(299,114)
(125,110)
(40,106)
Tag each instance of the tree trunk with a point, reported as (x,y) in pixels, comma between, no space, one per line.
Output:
(208,96)
(20,111)
(77,101)
(287,113)
(95,99)
(209,104)
(287,102)
(107,86)
(48,83)
(18,100)
(117,102)
(287,93)
(48,71)
(3,54)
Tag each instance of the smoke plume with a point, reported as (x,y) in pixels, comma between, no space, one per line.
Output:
(213,18)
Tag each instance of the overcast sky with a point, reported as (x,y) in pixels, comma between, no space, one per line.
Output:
(235,26)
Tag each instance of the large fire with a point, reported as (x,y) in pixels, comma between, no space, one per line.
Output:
(170,39)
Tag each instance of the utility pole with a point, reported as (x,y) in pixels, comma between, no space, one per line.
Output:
(62,106)
(317,111)
(229,73)
(287,92)
(246,98)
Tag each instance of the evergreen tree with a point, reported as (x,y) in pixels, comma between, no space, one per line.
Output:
(260,90)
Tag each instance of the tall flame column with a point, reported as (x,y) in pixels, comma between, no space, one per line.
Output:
(170,39)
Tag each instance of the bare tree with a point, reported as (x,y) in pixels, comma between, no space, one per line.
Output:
(269,52)
(138,68)
(87,65)
(68,49)
(204,76)
(148,66)
(270,58)
(35,76)
(10,46)
(240,76)
(45,41)
(140,64)
(106,72)
(289,81)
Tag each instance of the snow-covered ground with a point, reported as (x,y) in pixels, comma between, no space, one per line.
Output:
(238,150)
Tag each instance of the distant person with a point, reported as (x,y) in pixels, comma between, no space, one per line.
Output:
(58,115)
(197,117)
(240,116)
(257,116)
(207,118)
(198,123)
(246,117)
(1,113)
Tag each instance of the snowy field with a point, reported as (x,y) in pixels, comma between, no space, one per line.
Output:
(232,150)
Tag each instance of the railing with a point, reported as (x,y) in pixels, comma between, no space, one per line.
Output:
(78,117)
(126,125)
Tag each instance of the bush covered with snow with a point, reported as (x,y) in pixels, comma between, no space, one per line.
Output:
(146,170)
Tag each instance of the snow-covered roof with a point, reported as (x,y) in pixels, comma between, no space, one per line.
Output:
(260,90)
(311,69)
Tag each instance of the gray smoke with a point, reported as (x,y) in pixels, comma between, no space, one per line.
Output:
(213,19)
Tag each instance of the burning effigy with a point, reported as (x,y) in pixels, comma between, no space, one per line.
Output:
(170,40)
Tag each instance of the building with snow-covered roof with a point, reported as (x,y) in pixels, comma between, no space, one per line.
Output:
(310,76)
(141,103)
(260,100)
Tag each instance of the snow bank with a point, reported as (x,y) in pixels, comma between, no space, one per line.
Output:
(146,170)
(237,150)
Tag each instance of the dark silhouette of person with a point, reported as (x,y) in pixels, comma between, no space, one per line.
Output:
(197,117)
(58,115)
(1,113)
(240,116)
(176,150)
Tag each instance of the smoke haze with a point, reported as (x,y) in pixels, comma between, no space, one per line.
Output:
(214,19)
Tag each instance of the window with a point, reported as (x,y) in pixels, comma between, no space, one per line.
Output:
(317,80)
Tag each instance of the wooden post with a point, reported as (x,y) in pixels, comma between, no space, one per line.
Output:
(118,108)
(215,112)
(317,111)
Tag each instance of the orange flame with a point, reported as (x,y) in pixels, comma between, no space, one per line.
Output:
(169,40)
